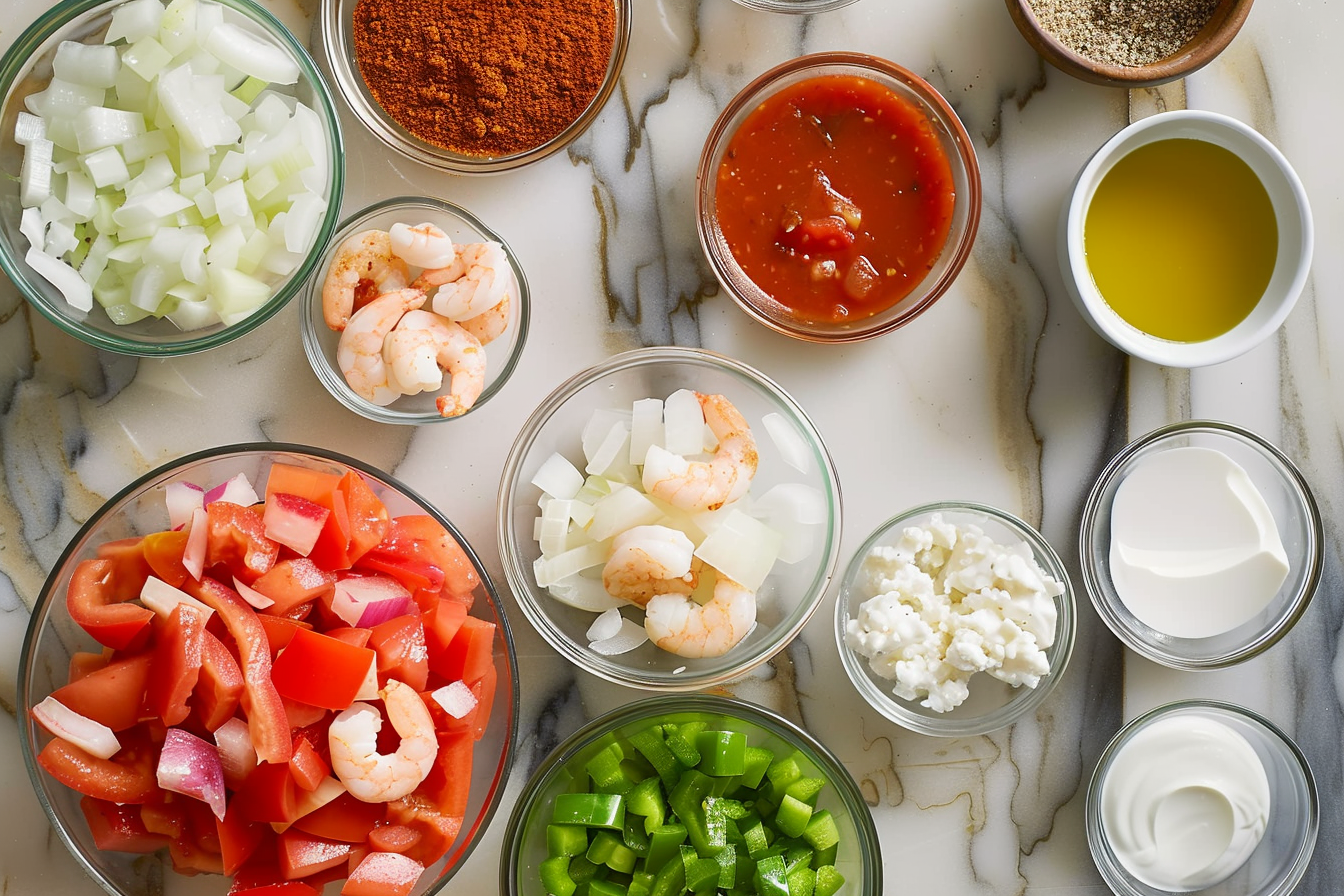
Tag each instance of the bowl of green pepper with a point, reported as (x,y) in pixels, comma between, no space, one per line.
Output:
(691,794)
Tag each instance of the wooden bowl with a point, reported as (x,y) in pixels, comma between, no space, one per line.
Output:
(1216,34)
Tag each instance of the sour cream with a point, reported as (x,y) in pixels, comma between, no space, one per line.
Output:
(1185,802)
(1195,551)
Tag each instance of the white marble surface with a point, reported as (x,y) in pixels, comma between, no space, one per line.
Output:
(999,393)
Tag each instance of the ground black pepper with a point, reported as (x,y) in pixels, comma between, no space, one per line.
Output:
(1124,32)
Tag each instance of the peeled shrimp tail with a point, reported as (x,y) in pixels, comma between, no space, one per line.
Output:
(649,560)
(678,624)
(700,485)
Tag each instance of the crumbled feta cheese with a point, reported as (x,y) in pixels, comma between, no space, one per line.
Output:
(945,602)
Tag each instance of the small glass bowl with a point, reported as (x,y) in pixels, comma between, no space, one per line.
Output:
(791,593)
(1295,512)
(796,7)
(26,68)
(502,353)
(956,144)
(859,858)
(336,21)
(1280,860)
(992,704)
(139,509)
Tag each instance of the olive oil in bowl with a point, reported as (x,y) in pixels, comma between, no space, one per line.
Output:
(1181,239)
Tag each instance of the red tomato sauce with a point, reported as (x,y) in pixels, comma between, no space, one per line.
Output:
(835,197)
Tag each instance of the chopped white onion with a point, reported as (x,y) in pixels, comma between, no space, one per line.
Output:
(456,699)
(65,278)
(182,499)
(646,427)
(583,593)
(294,522)
(237,756)
(621,510)
(193,556)
(791,444)
(92,737)
(743,549)
(237,489)
(627,638)
(163,598)
(606,625)
(683,423)
(250,55)
(558,478)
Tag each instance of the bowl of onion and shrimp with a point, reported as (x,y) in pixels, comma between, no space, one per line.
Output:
(669,519)
(417,313)
(153,207)
(135,742)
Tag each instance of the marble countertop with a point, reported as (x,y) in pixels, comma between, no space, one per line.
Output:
(1000,393)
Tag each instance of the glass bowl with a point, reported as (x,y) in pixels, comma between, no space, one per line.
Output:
(26,68)
(797,7)
(139,509)
(944,125)
(502,353)
(791,592)
(1279,860)
(1295,513)
(991,704)
(336,19)
(859,858)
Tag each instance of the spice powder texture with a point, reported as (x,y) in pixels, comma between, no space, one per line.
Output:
(484,77)
(1124,32)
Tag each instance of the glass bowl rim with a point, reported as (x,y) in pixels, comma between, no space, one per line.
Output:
(1096,840)
(47,27)
(40,610)
(324,369)
(1103,599)
(1027,699)
(870,848)
(523,587)
(333,29)
(767,84)
(799,7)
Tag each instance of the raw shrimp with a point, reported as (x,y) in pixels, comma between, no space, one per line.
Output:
(477,280)
(362,268)
(359,354)
(458,353)
(706,485)
(375,777)
(412,360)
(422,245)
(678,624)
(649,560)
(488,325)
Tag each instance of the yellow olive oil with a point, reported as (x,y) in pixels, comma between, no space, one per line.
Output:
(1181,239)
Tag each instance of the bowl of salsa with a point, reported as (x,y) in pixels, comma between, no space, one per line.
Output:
(838,197)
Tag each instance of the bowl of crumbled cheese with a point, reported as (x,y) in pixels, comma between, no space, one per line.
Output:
(955,619)
(1129,43)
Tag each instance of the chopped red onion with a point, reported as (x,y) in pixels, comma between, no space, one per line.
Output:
(365,601)
(237,490)
(251,595)
(193,556)
(294,522)
(192,767)
(237,756)
(182,499)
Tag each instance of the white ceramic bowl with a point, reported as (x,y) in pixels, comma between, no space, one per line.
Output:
(1291,267)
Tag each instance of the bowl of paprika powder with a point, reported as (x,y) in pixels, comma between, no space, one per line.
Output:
(477,86)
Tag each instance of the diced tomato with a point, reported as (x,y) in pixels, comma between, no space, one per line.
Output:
(314,485)
(167,817)
(83,663)
(356,636)
(307,766)
(302,854)
(344,818)
(189,858)
(826,234)
(119,828)
(95,604)
(279,630)
(220,685)
(441,624)
(128,777)
(400,645)
(393,838)
(448,782)
(113,695)
(269,794)
(420,538)
(266,720)
(177,663)
(163,552)
(258,878)
(437,830)
(293,582)
(368,517)
(317,736)
(129,567)
(237,539)
(470,653)
(416,575)
(321,670)
(383,874)
(485,701)
(239,838)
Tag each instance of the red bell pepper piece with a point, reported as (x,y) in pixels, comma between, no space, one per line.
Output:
(163,552)
(471,652)
(293,582)
(189,858)
(441,626)
(269,795)
(119,828)
(402,654)
(239,838)
(307,765)
(393,838)
(449,781)
(321,670)
(113,695)
(356,636)
(177,663)
(383,874)
(129,567)
(262,878)
(344,818)
(236,537)
(128,777)
(83,663)
(168,818)
(302,854)
(95,603)
(280,630)
(367,515)
(266,720)
(437,830)
(219,689)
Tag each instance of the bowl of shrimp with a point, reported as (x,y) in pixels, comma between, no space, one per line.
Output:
(103,735)
(417,313)
(669,519)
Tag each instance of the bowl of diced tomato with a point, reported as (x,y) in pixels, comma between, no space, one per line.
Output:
(274,664)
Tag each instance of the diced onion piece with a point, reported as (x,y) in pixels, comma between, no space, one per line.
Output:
(614,447)
(597,427)
(368,688)
(134,20)
(549,570)
(163,598)
(621,510)
(80,197)
(29,127)
(237,489)
(791,444)
(251,595)
(646,427)
(795,500)
(192,767)
(237,756)
(251,55)
(93,737)
(303,222)
(31,226)
(743,549)
(583,593)
(310,801)
(35,172)
(107,168)
(76,292)
(100,126)
(456,699)
(233,292)
(193,556)
(364,601)
(627,638)
(294,522)
(683,423)
(182,499)
(558,478)
(607,624)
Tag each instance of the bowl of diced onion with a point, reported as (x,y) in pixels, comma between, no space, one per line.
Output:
(632,567)
(173,172)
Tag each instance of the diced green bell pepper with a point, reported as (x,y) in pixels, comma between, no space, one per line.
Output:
(829,881)
(722,753)
(566,839)
(664,844)
(792,816)
(681,746)
(650,744)
(555,876)
(594,810)
(700,873)
(821,831)
(755,761)
(687,801)
(771,879)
